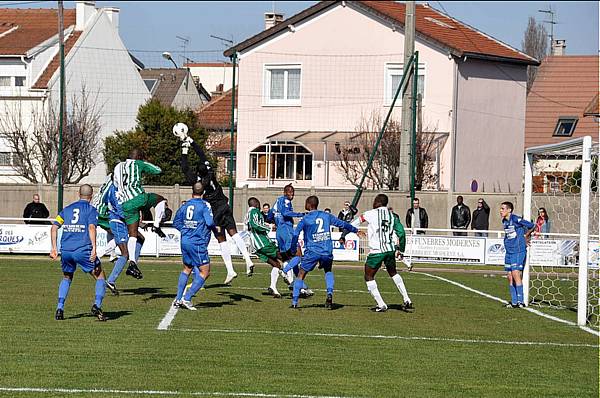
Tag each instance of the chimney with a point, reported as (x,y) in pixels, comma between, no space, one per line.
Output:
(558,47)
(83,12)
(113,15)
(272,19)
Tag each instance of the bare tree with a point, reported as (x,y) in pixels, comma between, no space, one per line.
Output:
(33,136)
(353,154)
(535,44)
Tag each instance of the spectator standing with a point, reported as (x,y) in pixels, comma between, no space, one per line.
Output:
(460,217)
(36,209)
(481,217)
(542,224)
(346,214)
(416,217)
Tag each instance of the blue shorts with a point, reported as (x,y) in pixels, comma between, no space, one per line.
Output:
(119,230)
(194,256)
(284,238)
(514,261)
(70,261)
(310,261)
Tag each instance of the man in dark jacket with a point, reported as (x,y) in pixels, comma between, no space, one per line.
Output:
(461,217)
(419,215)
(481,217)
(36,209)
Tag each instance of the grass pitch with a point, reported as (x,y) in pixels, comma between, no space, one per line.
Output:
(241,342)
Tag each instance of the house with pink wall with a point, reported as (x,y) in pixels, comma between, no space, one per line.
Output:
(306,83)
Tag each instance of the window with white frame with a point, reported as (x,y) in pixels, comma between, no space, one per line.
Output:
(393,77)
(565,126)
(5,81)
(5,159)
(20,81)
(282,84)
(282,160)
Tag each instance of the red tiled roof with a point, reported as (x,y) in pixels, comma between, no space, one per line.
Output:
(34,26)
(431,23)
(593,108)
(563,87)
(207,64)
(223,144)
(53,66)
(216,115)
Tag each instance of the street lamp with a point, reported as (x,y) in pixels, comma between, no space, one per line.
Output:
(167,55)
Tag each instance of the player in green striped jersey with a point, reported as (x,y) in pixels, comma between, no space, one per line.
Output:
(262,246)
(382,249)
(127,178)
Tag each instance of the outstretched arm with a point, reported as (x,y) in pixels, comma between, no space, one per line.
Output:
(190,176)
(342,224)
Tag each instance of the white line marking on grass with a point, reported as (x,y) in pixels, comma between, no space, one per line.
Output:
(533,311)
(157,392)
(389,337)
(363,291)
(169,316)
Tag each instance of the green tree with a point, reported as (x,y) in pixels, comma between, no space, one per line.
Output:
(573,184)
(153,134)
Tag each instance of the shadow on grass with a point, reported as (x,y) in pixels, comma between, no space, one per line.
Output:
(216,285)
(217,304)
(160,296)
(239,297)
(111,315)
(334,306)
(400,307)
(142,290)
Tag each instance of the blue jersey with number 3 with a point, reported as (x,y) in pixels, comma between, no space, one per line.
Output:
(75,220)
(316,226)
(194,220)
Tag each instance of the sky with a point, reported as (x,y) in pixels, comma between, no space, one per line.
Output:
(150,27)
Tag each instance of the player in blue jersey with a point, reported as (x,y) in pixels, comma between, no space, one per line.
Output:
(318,248)
(283,215)
(194,220)
(516,236)
(78,247)
(120,234)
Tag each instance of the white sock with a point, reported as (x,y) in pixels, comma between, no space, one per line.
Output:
(109,248)
(226,254)
(159,212)
(131,242)
(372,286)
(239,242)
(274,277)
(400,284)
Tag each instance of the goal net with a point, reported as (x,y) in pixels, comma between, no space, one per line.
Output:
(561,197)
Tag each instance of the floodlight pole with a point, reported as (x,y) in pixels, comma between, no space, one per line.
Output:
(61,50)
(231,135)
(413,158)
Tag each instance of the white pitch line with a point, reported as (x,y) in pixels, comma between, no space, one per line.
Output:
(389,337)
(533,311)
(364,291)
(169,316)
(157,392)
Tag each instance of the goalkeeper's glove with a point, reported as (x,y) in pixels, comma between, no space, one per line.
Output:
(185,148)
(188,140)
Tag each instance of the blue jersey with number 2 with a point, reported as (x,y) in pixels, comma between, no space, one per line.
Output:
(316,226)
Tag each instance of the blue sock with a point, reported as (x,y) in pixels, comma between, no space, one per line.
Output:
(296,293)
(513,294)
(292,264)
(100,292)
(519,289)
(117,269)
(183,278)
(63,292)
(197,285)
(304,285)
(138,250)
(196,272)
(329,282)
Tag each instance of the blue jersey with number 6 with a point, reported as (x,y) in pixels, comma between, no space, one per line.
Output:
(316,226)
(75,220)
(194,220)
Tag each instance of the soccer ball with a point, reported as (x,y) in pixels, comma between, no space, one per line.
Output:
(180,131)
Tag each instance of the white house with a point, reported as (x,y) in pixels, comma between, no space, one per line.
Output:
(95,59)
(306,82)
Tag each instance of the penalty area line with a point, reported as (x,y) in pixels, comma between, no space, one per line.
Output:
(533,311)
(168,318)
(157,392)
(387,337)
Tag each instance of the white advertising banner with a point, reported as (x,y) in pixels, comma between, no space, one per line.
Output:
(553,252)
(23,238)
(494,251)
(446,249)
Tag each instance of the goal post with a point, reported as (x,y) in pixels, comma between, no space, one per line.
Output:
(562,268)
